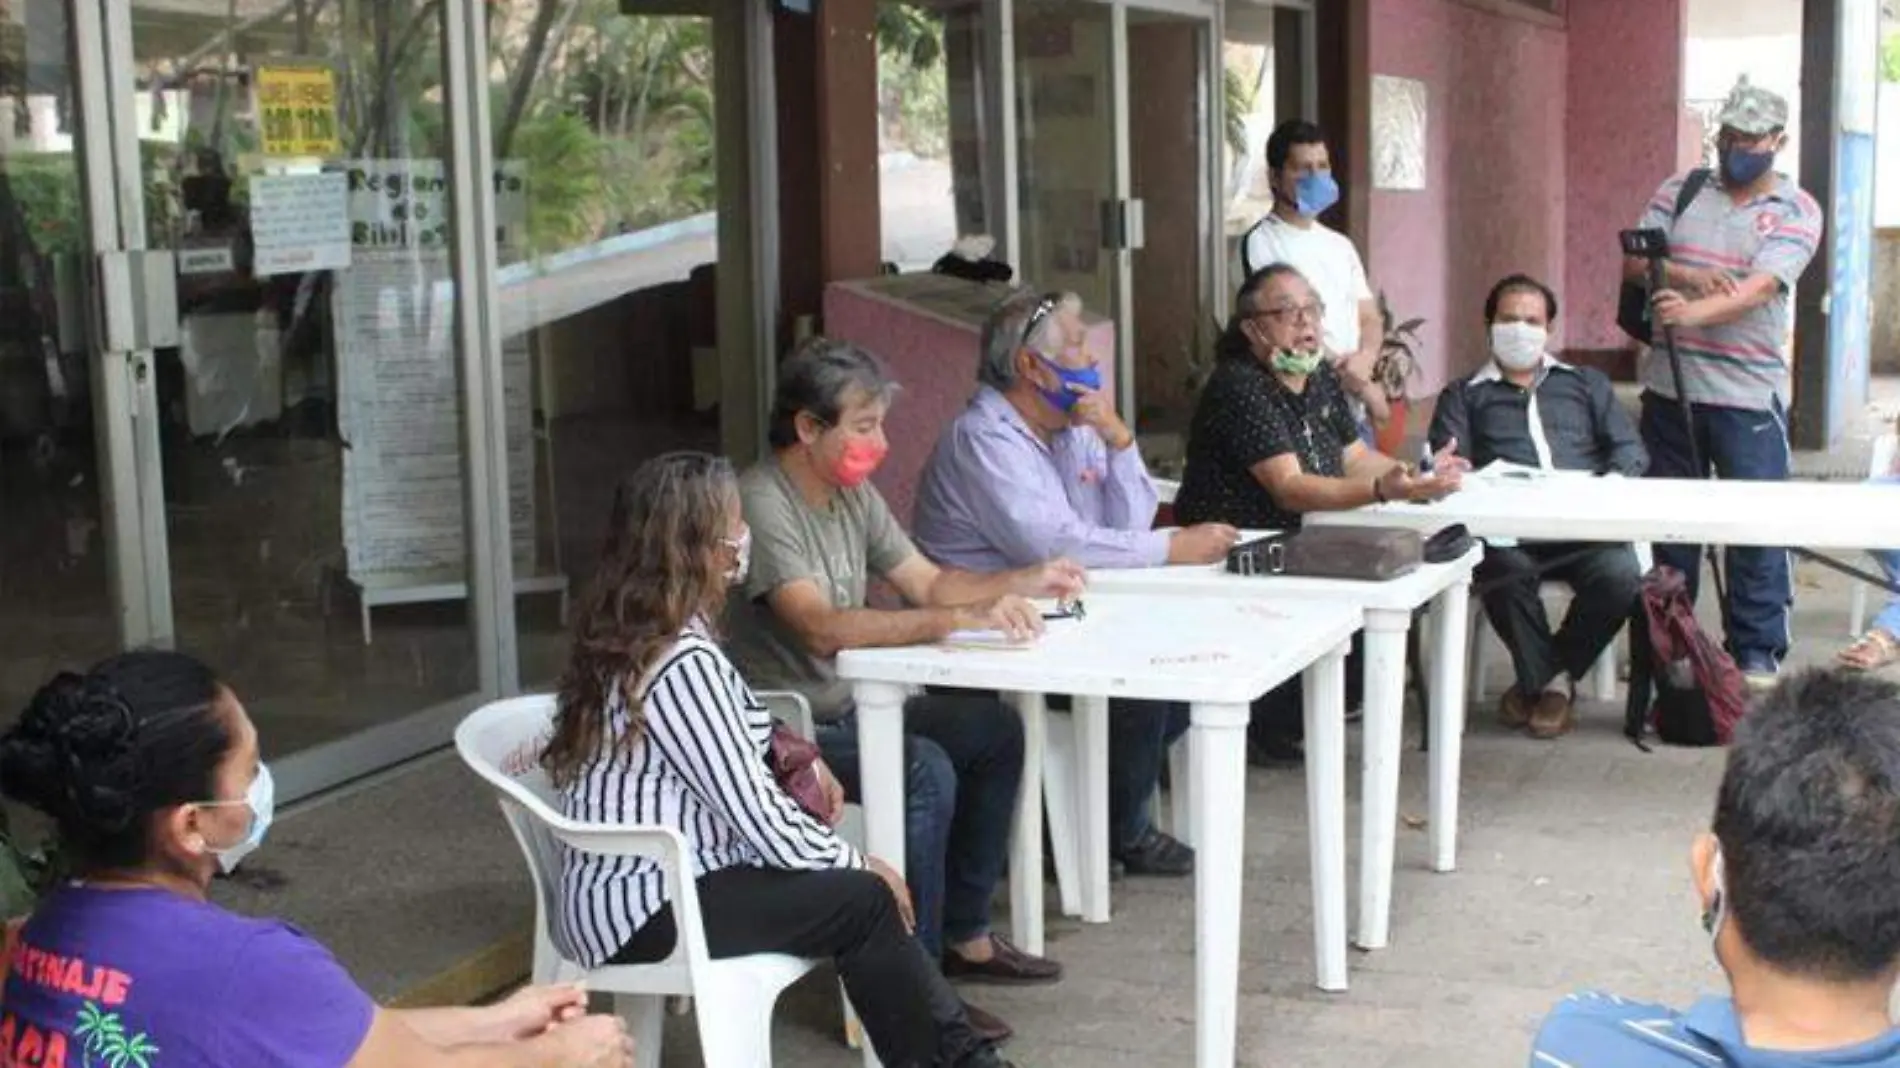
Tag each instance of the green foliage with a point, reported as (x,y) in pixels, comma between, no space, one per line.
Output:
(910,35)
(1890,58)
(1240,98)
(566,193)
(24,874)
(1398,353)
(913,86)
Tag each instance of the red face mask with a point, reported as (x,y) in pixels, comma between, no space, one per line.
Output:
(861,456)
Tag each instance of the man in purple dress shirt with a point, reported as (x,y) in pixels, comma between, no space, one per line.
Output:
(1040,466)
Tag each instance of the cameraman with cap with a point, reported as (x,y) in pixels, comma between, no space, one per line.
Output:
(1742,237)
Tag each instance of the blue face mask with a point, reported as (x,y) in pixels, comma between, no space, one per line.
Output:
(1062,397)
(1315,192)
(1741,167)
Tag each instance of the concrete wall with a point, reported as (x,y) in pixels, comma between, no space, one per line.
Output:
(1494,201)
(1883,350)
(1623,91)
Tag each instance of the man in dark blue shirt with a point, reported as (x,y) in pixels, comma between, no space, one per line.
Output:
(1526,407)
(1797,885)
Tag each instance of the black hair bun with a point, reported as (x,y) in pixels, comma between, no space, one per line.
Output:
(73,755)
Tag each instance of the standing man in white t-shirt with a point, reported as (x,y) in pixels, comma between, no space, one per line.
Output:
(1301,172)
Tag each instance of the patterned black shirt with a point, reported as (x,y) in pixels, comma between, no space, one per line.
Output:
(1246,415)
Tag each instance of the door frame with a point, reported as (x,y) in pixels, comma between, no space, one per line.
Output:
(1004,162)
(131,480)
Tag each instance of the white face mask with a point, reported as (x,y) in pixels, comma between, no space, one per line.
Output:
(742,550)
(261,799)
(1518,346)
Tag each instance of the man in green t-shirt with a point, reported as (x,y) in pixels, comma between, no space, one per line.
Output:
(820,532)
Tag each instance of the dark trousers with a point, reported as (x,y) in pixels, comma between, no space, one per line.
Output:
(1280,715)
(963,760)
(1605,582)
(912,1017)
(1737,444)
(1139,734)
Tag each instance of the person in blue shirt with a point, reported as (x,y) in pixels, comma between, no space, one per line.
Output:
(1797,882)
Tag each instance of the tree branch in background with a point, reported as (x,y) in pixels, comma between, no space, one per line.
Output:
(529,68)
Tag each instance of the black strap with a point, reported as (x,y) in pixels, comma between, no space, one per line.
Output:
(1247,267)
(1691,188)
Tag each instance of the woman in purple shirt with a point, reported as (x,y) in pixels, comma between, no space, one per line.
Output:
(149,767)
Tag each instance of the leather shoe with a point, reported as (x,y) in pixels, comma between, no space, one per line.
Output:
(1157,854)
(1551,716)
(988,1026)
(1513,710)
(1007,966)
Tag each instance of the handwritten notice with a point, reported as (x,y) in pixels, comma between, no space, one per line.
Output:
(296,112)
(300,222)
(399,383)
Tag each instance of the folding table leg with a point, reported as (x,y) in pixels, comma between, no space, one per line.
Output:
(1217,752)
(1380,750)
(1450,632)
(1326,812)
(1025,858)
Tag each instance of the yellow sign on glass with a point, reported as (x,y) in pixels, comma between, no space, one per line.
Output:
(296,111)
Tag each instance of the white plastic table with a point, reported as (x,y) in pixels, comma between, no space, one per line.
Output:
(1387,609)
(1569,506)
(1218,655)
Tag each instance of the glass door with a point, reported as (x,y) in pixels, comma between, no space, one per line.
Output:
(286,232)
(65,598)
(1068,204)
(1169,327)
(1113,111)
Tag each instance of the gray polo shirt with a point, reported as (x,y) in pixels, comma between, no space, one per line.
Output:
(837,548)
(1742,364)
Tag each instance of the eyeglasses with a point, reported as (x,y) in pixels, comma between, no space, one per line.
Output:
(1308,313)
(1044,308)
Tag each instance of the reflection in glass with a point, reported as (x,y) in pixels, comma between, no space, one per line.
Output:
(311,420)
(55,604)
(604,129)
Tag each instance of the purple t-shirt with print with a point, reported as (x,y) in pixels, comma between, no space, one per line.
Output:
(151,979)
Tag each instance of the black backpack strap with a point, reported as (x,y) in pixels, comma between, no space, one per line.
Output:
(1691,188)
(1247,266)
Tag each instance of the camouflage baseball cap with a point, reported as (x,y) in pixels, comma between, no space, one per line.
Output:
(1752,110)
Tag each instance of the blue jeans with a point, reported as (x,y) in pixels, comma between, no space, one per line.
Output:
(963,759)
(1139,734)
(1889,559)
(1743,445)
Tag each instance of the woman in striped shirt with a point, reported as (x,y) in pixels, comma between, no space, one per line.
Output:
(656,726)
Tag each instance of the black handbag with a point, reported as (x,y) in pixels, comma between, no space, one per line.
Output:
(1632,301)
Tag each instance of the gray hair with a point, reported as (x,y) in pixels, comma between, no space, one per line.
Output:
(818,377)
(1004,332)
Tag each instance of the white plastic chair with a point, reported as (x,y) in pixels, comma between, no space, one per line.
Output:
(1602,682)
(502,743)
(1064,803)
(1884,449)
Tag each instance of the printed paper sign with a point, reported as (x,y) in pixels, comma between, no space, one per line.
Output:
(296,112)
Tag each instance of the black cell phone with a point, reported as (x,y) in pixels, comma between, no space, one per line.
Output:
(1648,244)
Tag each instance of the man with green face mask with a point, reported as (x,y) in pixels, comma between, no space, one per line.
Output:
(1273,438)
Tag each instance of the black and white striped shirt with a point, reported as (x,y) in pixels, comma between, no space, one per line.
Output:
(702,766)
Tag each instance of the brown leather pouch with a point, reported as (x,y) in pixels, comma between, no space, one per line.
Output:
(1373,554)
